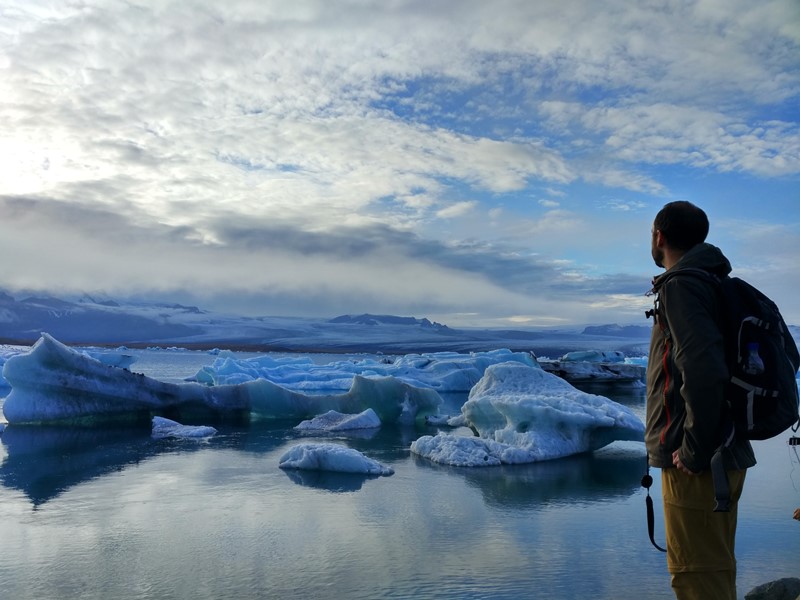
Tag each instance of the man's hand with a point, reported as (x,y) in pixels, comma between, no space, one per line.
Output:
(797,514)
(679,465)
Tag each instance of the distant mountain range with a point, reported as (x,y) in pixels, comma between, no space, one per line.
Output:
(367,319)
(626,331)
(90,321)
(103,321)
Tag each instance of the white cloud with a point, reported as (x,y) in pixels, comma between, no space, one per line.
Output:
(318,119)
(680,134)
(555,193)
(495,213)
(765,254)
(624,205)
(459,209)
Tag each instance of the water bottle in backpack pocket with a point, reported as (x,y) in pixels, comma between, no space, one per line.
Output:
(763,362)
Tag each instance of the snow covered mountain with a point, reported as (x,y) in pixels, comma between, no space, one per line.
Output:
(89,320)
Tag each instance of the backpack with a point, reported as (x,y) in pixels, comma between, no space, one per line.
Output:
(763,361)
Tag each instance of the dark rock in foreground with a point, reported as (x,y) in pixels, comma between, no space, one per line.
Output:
(787,588)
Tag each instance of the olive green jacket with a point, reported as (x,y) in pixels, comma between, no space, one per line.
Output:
(686,369)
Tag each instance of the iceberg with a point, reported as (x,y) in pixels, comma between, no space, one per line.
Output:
(166,428)
(442,371)
(335,421)
(54,383)
(525,415)
(597,356)
(460,451)
(331,457)
(596,365)
(112,359)
(6,352)
(581,371)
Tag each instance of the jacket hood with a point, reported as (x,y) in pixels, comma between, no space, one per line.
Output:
(703,256)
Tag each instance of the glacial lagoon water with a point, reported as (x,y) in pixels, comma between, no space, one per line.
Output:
(112,513)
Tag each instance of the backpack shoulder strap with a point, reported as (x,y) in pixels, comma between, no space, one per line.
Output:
(696,272)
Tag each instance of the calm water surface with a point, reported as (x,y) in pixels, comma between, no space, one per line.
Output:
(111,513)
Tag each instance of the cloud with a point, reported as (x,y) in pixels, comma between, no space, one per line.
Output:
(323,153)
(458,209)
(625,205)
(360,266)
(674,134)
(765,254)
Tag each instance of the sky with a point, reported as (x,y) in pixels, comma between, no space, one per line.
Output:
(488,164)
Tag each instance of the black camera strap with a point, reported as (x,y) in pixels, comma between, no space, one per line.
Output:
(647,481)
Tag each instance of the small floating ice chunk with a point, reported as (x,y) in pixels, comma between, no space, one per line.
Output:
(165,428)
(439,420)
(596,356)
(576,370)
(331,457)
(112,359)
(457,421)
(459,451)
(336,421)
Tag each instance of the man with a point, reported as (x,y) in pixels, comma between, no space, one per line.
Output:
(686,376)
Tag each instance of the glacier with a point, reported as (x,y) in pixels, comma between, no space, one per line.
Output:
(524,414)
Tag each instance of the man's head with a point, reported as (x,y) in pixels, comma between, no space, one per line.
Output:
(679,226)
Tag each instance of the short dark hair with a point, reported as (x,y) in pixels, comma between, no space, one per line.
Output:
(683,224)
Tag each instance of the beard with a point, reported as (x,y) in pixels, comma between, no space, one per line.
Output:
(658,255)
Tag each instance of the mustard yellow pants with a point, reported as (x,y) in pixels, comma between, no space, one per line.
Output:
(700,542)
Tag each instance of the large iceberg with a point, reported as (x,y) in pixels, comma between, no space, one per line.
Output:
(525,415)
(442,371)
(53,382)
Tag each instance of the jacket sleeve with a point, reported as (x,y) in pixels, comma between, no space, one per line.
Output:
(690,306)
